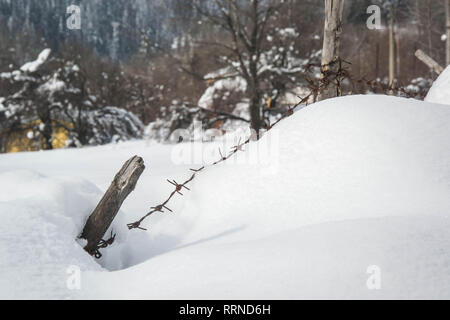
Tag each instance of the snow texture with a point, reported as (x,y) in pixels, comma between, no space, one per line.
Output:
(355,182)
(440,90)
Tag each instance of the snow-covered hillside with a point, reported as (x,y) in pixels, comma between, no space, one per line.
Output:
(439,92)
(353,182)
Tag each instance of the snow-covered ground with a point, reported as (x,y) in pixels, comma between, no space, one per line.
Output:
(439,92)
(353,183)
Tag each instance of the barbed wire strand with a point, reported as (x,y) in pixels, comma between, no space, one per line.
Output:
(328,77)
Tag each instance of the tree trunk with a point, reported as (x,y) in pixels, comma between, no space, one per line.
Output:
(331,42)
(47,134)
(391,48)
(106,210)
(377,60)
(255,96)
(255,112)
(429,28)
(447,32)
(397,54)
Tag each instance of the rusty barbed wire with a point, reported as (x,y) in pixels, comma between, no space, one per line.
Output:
(238,147)
(160,207)
(103,244)
(315,88)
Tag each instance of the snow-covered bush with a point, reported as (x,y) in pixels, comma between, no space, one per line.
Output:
(224,104)
(112,124)
(280,74)
(50,97)
(176,116)
(416,89)
(419,87)
(225,90)
(188,118)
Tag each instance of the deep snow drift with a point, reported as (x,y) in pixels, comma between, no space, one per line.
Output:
(351,183)
(439,92)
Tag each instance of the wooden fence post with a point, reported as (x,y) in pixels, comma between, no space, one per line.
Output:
(433,65)
(103,215)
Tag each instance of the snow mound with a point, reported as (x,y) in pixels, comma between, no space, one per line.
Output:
(356,157)
(440,90)
(40,219)
(339,187)
(360,181)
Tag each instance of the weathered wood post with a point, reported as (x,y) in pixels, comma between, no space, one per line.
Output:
(331,43)
(447,32)
(391,49)
(103,215)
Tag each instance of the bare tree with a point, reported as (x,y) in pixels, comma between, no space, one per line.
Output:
(246,24)
(331,43)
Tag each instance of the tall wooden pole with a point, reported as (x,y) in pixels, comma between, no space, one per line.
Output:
(397,53)
(377,60)
(447,32)
(331,43)
(391,47)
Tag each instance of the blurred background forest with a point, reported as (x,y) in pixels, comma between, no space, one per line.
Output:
(141,68)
